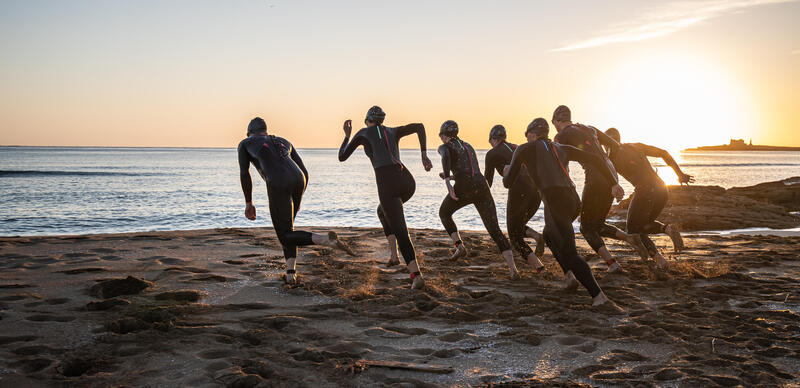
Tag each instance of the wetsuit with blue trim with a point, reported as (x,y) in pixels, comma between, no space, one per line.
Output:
(523,198)
(278,162)
(395,183)
(596,197)
(650,193)
(546,164)
(470,187)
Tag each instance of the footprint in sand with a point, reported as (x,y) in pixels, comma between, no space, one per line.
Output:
(82,270)
(32,366)
(36,350)
(75,255)
(14,285)
(249,255)
(110,258)
(234,262)
(22,338)
(211,278)
(570,340)
(445,353)
(51,302)
(214,354)
(13,298)
(102,250)
(50,318)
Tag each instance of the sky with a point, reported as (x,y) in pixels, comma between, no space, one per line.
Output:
(674,74)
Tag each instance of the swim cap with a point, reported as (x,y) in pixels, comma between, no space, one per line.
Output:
(539,127)
(375,115)
(497,132)
(449,128)
(256,125)
(562,113)
(613,133)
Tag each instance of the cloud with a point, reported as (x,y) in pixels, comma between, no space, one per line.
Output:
(666,19)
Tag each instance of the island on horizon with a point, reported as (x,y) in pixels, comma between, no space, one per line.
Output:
(740,145)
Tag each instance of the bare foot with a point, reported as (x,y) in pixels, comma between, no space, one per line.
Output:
(418,283)
(661,262)
(636,241)
(674,233)
(514,274)
(461,251)
(539,251)
(334,241)
(614,267)
(601,300)
(570,283)
(291,278)
(393,261)
(536,264)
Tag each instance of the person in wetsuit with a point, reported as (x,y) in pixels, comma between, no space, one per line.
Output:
(281,167)
(395,183)
(546,164)
(470,187)
(649,194)
(596,198)
(523,198)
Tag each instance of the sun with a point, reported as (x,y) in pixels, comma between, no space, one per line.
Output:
(675,102)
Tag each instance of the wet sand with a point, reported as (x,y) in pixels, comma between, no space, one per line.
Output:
(211,309)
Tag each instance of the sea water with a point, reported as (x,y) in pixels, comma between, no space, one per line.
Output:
(55,190)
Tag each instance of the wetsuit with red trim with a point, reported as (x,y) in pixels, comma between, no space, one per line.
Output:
(523,198)
(649,195)
(546,164)
(596,198)
(458,158)
(395,183)
(278,162)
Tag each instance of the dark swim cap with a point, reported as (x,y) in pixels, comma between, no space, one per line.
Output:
(256,125)
(613,133)
(375,115)
(497,132)
(539,127)
(562,113)
(449,128)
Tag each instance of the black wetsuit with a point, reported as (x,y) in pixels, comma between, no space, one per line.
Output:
(281,167)
(395,183)
(470,187)
(597,197)
(650,193)
(523,198)
(546,163)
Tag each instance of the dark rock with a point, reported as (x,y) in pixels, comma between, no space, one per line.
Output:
(116,287)
(106,304)
(714,208)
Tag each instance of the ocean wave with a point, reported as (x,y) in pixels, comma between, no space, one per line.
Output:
(32,173)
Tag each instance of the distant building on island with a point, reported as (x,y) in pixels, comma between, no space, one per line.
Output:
(740,145)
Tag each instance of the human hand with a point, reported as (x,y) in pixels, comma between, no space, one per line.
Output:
(617,192)
(347,127)
(250,212)
(426,163)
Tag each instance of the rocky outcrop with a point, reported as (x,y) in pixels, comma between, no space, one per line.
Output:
(696,208)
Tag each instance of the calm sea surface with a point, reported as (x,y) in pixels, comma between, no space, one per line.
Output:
(47,191)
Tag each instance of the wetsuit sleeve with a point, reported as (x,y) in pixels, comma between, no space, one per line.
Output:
(296,157)
(660,153)
(244,173)
(515,166)
(590,158)
(607,141)
(445,160)
(417,128)
(347,148)
(565,137)
(489,168)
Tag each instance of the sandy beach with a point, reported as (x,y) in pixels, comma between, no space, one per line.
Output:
(209,308)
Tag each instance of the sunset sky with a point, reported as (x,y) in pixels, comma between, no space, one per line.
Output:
(193,73)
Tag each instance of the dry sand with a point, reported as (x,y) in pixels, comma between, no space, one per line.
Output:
(725,313)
